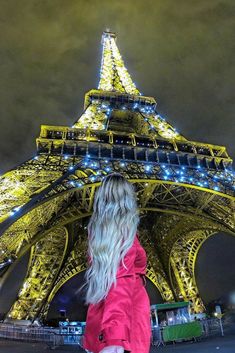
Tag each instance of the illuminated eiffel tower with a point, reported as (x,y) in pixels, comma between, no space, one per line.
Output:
(185,193)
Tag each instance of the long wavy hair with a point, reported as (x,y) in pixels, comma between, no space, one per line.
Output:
(111,232)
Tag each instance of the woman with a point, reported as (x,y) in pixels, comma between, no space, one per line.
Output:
(118,316)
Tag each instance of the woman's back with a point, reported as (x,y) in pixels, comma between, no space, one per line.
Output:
(123,318)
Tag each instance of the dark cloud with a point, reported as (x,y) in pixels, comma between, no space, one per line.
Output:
(180,52)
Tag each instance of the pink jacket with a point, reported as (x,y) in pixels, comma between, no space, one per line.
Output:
(123,318)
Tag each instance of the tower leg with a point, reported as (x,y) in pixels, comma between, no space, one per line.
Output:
(155,271)
(182,263)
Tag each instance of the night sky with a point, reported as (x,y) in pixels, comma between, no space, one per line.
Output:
(180,52)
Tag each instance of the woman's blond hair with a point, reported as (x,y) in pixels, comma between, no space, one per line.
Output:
(111,232)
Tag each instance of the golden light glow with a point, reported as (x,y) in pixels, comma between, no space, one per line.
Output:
(114,76)
(94,118)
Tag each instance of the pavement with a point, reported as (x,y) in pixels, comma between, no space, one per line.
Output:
(224,344)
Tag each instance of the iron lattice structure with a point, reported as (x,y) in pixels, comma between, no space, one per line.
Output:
(185,193)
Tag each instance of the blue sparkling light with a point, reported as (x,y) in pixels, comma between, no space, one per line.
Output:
(148,168)
(92,178)
(94,165)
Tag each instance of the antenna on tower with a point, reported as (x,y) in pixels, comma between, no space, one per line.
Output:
(108,33)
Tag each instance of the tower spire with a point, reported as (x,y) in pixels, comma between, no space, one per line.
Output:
(113,74)
(105,107)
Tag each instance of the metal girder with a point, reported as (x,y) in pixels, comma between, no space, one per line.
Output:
(152,194)
(161,284)
(155,271)
(75,264)
(182,263)
(17,187)
(169,194)
(179,239)
(22,233)
(45,263)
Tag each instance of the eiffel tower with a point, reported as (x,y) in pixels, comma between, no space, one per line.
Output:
(185,193)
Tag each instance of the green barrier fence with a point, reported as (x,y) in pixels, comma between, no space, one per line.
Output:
(182,331)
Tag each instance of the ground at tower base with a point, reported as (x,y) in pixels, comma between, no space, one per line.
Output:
(224,344)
